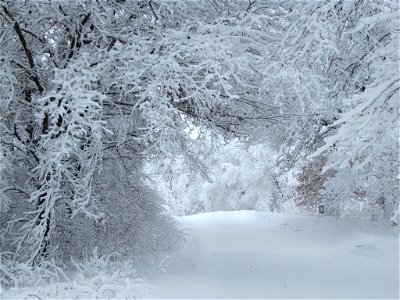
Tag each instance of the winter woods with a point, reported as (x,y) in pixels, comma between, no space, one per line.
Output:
(91,90)
(88,82)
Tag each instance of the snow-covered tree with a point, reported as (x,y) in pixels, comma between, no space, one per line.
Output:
(122,78)
(362,141)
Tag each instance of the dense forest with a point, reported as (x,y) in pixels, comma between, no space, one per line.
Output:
(116,115)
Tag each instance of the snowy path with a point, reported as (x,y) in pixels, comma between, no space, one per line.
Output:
(260,255)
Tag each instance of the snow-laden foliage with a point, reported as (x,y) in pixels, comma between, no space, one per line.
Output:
(332,80)
(334,75)
(68,151)
(365,145)
(95,89)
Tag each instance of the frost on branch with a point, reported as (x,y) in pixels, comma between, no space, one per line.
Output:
(68,150)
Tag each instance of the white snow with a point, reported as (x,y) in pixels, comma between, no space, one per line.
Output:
(248,254)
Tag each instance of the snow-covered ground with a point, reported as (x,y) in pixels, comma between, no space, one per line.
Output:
(248,254)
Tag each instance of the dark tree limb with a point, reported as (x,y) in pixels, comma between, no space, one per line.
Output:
(27,51)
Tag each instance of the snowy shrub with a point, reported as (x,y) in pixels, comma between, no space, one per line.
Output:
(96,277)
(133,221)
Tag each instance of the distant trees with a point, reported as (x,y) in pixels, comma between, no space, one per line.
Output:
(241,177)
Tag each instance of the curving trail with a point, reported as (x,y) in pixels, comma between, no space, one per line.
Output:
(247,254)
